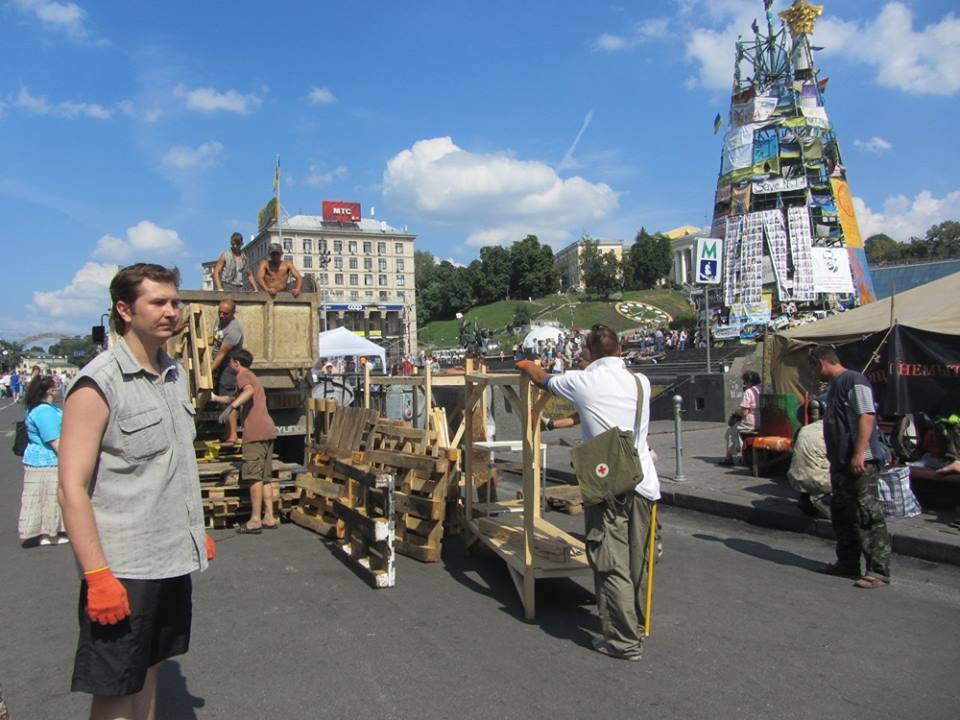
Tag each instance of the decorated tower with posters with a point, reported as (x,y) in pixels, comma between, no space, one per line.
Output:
(783,206)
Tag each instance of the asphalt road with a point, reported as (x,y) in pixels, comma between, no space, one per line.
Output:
(742,628)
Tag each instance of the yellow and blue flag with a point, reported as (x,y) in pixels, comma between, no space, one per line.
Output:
(276,176)
(717,122)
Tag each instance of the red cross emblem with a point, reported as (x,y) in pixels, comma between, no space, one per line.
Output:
(602,469)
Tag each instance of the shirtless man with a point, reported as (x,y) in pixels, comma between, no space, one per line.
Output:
(274,274)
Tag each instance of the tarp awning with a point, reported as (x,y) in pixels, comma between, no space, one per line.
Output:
(340,342)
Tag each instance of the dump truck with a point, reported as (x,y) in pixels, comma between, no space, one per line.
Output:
(281,332)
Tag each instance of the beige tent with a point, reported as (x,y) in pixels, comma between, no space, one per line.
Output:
(928,315)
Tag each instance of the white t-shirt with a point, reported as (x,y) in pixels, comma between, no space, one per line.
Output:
(605,395)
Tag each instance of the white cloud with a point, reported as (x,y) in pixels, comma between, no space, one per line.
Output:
(206,155)
(210,100)
(923,61)
(86,294)
(39,105)
(903,218)
(143,239)
(651,29)
(321,96)
(499,197)
(68,17)
(876,144)
(318,176)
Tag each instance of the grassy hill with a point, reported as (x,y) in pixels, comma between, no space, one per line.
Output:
(443,333)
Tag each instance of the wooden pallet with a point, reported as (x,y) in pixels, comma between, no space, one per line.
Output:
(226,500)
(564,498)
(350,430)
(318,490)
(366,510)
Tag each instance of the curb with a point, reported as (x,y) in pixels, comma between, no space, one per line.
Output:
(674,495)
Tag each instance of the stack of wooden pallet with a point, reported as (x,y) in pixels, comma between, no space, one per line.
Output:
(226,502)
(360,441)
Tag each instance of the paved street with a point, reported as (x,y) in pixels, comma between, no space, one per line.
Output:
(743,628)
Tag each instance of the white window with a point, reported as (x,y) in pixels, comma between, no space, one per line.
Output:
(288,244)
(381,248)
(367,247)
(307,246)
(354,294)
(324,278)
(308,261)
(368,263)
(383,279)
(352,247)
(354,279)
(338,263)
(368,279)
(382,264)
(369,293)
(322,245)
(398,248)
(338,246)
(401,266)
(353,263)
(400,280)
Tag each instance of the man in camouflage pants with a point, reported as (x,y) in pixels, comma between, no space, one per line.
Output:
(856,456)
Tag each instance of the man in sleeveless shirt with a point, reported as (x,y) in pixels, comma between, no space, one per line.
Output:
(274,274)
(232,268)
(131,500)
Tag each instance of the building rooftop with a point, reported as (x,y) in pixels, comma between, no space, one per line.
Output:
(316,223)
(600,241)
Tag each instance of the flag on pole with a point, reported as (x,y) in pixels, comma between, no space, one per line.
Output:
(822,85)
(276,176)
(717,122)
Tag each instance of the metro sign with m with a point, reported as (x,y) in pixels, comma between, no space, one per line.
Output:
(709,253)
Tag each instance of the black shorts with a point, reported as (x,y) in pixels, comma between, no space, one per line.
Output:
(114,659)
(227,381)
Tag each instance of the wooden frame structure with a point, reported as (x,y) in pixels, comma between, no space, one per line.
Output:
(531,547)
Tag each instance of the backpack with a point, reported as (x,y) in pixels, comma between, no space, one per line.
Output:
(608,465)
(20,438)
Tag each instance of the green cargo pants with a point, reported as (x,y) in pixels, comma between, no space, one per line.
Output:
(616,539)
(858,522)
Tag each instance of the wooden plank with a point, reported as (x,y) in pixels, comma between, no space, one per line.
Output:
(373,529)
(317,486)
(407,461)
(421,507)
(318,525)
(423,553)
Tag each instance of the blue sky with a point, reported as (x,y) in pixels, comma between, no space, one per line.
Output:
(148,131)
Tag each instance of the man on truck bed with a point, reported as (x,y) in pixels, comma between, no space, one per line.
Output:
(274,274)
(232,268)
(228,335)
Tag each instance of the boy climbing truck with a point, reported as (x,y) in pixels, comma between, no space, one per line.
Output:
(281,332)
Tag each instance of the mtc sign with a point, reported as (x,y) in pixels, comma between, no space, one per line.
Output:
(339,211)
(709,253)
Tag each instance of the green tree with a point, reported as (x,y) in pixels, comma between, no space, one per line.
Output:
(492,279)
(601,271)
(521,315)
(881,248)
(648,260)
(10,354)
(424,269)
(944,239)
(448,293)
(77,350)
(532,272)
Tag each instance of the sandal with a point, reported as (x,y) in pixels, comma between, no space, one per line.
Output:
(245,530)
(868,582)
(275,526)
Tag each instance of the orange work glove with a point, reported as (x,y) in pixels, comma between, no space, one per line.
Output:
(524,363)
(107,601)
(211,548)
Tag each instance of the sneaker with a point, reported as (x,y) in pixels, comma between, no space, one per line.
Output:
(45,541)
(62,540)
(605,648)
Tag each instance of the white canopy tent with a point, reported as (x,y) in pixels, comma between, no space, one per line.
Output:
(544,333)
(340,342)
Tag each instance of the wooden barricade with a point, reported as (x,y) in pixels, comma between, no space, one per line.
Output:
(367,513)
